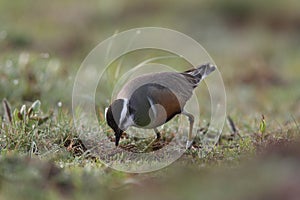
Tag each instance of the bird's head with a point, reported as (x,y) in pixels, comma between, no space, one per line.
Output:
(115,116)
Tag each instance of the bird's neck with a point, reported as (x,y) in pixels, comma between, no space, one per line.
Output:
(126,119)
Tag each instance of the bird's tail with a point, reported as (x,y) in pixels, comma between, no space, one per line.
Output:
(196,75)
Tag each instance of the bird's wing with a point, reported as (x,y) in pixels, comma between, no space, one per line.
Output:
(176,82)
(153,104)
(167,102)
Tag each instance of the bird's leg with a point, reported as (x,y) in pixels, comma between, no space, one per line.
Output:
(158,136)
(190,136)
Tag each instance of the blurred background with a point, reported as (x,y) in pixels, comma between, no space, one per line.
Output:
(255,44)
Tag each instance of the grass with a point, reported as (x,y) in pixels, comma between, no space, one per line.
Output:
(42,155)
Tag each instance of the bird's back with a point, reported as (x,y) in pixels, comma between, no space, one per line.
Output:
(181,84)
(177,83)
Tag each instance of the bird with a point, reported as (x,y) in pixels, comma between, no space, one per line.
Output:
(151,100)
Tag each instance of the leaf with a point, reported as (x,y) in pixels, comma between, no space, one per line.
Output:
(23,113)
(42,120)
(7,110)
(262,126)
(16,115)
(34,108)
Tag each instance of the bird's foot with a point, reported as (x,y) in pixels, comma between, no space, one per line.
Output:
(188,144)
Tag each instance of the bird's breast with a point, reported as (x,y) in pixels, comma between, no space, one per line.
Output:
(153,105)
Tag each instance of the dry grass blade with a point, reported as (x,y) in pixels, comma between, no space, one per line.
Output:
(231,125)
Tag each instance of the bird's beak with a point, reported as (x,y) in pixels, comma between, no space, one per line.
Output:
(118,136)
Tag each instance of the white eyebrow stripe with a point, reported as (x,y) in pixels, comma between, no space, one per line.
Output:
(105,112)
(123,112)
